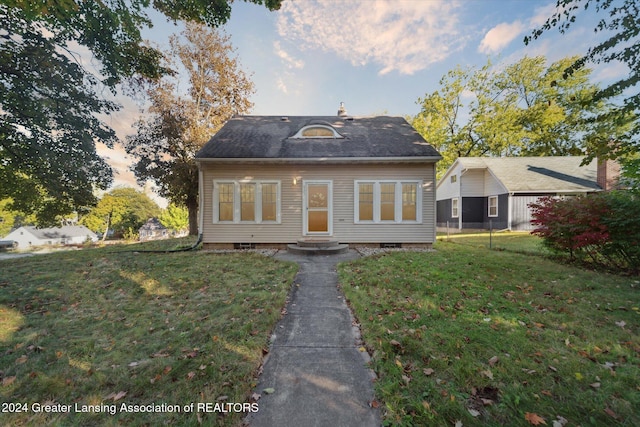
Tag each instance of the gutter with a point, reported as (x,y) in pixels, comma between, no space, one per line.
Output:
(321,160)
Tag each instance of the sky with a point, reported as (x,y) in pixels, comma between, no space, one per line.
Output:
(377,56)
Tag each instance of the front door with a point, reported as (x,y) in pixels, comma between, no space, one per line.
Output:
(317,208)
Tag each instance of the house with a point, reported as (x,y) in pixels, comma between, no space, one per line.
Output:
(479,192)
(153,230)
(28,236)
(271,180)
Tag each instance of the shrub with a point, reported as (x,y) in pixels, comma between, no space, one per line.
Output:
(601,228)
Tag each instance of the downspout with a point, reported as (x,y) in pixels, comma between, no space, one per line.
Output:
(510,210)
(200,201)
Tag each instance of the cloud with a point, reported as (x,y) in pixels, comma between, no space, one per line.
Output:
(287,58)
(500,36)
(402,36)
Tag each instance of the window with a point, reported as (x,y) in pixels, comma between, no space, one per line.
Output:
(252,202)
(247,202)
(493,205)
(318,130)
(269,201)
(409,199)
(388,201)
(225,205)
(454,178)
(365,201)
(454,208)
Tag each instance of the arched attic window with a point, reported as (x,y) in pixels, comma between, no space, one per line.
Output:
(317,131)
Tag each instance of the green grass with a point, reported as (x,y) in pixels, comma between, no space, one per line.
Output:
(519,241)
(111,326)
(496,337)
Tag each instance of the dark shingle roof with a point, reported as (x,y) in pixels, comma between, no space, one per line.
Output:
(535,174)
(271,137)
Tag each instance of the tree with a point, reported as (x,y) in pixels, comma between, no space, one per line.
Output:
(49,100)
(175,218)
(622,19)
(122,210)
(179,124)
(525,109)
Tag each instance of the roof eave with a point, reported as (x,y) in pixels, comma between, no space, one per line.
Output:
(321,160)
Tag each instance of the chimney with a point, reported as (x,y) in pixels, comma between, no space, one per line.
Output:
(608,174)
(342,112)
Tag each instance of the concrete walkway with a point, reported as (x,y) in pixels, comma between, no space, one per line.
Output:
(317,374)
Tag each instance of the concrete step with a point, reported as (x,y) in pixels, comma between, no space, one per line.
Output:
(317,243)
(322,250)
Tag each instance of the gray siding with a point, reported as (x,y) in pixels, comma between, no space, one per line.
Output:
(344,228)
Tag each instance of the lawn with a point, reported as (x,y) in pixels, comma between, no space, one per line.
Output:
(468,336)
(518,241)
(99,328)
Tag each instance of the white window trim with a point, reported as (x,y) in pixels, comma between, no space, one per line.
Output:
(376,201)
(455,213)
(489,206)
(236,201)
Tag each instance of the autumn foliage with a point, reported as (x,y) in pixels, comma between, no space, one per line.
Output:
(600,228)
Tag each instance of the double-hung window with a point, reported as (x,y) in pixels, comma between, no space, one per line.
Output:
(493,206)
(246,201)
(455,208)
(387,201)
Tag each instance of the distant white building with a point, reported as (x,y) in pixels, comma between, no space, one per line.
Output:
(153,230)
(29,236)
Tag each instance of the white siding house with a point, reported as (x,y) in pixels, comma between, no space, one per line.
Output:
(267,180)
(478,191)
(29,236)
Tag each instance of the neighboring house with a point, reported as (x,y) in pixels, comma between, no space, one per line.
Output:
(267,180)
(153,230)
(477,192)
(28,236)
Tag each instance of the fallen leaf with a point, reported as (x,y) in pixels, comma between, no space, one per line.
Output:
(398,363)
(374,404)
(473,412)
(255,397)
(269,390)
(458,424)
(116,396)
(493,361)
(621,323)
(160,354)
(534,419)
(611,413)
(222,398)
(8,381)
(428,371)
(579,376)
(560,421)
(166,370)
(395,343)
(190,375)
(487,373)
(22,359)
(595,385)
